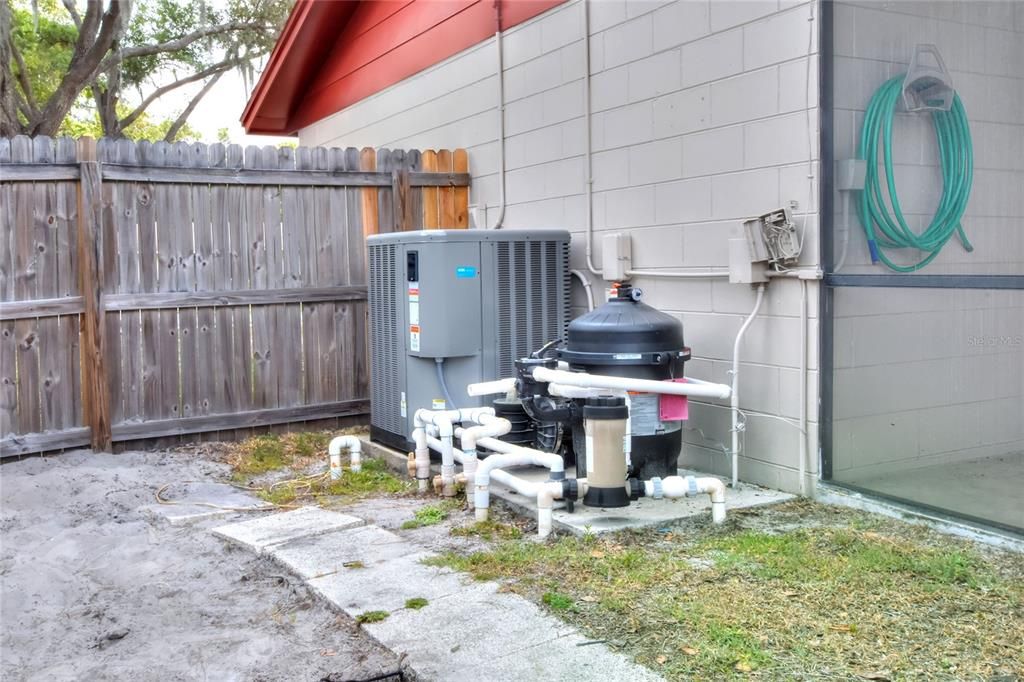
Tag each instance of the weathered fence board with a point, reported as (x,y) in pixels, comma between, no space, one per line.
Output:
(151,290)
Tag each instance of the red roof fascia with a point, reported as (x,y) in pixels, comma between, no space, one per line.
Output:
(307,37)
(333,54)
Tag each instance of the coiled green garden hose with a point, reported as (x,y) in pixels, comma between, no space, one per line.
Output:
(887,229)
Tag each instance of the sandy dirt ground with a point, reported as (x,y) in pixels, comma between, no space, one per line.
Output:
(94,589)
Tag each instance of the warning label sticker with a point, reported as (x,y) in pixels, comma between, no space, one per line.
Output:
(644,416)
(414,337)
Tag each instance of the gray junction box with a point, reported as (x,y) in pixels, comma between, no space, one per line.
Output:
(476,299)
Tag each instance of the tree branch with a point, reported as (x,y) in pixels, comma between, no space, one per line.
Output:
(216,69)
(172,132)
(23,80)
(88,53)
(69,5)
(179,43)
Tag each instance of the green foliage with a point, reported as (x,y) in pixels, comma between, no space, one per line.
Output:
(488,530)
(87,123)
(372,616)
(432,514)
(557,601)
(43,33)
(416,603)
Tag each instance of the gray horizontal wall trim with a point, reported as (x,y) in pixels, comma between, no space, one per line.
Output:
(895,281)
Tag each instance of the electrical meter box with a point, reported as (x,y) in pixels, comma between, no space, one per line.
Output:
(462,304)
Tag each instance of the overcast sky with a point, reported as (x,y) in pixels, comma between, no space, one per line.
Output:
(221,108)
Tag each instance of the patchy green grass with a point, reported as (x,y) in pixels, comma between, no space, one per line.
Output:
(488,530)
(557,601)
(277,468)
(432,514)
(838,595)
(374,479)
(372,616)
(271,452)
(416,603)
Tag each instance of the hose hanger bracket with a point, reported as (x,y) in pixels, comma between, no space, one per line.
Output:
(928,85)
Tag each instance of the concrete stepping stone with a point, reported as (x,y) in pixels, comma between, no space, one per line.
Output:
(267,532)
(468,630)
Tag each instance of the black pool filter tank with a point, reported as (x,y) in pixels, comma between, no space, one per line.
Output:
(628,338)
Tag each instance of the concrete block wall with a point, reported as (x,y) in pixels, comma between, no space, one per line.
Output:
(982,44)
(704,112)
(926,376)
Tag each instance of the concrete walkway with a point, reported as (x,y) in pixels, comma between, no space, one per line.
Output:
(467,631)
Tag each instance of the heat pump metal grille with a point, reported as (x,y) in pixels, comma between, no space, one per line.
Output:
(528,317)
(385,338)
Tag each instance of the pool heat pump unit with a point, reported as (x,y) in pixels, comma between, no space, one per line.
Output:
(449,308)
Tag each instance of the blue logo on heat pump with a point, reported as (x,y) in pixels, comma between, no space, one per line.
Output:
(465,272)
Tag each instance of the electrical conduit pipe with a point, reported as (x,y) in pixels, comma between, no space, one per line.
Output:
(334,449)
(735,401)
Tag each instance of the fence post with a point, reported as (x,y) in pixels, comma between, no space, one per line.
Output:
(95,391)
(402,199)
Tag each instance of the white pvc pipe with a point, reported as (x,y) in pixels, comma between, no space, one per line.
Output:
(589,145)
(443,420)
(501,118)
(587,289)
(735,403)
(491,387)
(679,486)
(701,390)
(334,448)
(803,387)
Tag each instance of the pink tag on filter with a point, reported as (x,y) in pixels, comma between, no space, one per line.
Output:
(674,408)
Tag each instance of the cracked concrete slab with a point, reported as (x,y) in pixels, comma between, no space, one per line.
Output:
(275,529)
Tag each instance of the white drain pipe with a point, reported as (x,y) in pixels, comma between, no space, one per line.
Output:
(679,486)
(735,402)
(690,388)
(334,448)
(443,420)
(491,387)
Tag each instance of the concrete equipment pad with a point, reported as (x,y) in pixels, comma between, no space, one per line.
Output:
(274,529)
(198,501)
(642,513)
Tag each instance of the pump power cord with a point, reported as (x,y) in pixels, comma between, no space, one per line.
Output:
(887,229)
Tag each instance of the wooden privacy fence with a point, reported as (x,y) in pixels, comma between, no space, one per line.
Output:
(152,290)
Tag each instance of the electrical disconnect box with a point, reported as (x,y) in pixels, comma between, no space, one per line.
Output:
(769,240)
(462,304)
(616,257)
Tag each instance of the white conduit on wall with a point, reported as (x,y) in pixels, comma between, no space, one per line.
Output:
(735,402)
